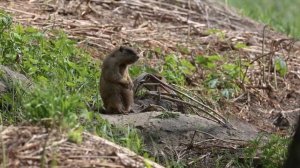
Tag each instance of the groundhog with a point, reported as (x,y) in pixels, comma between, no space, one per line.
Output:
(116,87)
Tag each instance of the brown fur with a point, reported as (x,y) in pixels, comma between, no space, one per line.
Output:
(116,87)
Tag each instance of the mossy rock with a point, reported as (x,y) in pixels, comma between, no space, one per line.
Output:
(9,79)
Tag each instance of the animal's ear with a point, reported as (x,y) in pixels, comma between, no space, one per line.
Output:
(121,48)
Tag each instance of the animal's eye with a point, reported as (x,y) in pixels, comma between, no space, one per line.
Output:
(131,52)
(121,49)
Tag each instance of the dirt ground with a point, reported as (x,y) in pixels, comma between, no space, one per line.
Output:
(270,106)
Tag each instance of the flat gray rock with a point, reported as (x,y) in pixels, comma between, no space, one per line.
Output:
(180,129)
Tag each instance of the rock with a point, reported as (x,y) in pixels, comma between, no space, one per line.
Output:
(181,127)
(9,78)
(3,87)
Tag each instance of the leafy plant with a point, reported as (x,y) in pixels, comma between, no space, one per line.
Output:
(75,136)
(221,78)
(271,153)
(208,62)
(5,21)
(274,152)
(281,66)
(55,103)
(175,70)
(55,62)
(132,140)
(65,84)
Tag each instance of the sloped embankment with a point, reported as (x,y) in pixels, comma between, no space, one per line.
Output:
(266,103)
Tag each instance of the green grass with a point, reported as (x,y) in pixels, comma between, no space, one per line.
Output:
(282,15)
(271,153)
(65,91)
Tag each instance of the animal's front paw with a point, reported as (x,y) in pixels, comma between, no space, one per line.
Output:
(130,85)
(125,112)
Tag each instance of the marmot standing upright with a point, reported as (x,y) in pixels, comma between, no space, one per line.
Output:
(116,87)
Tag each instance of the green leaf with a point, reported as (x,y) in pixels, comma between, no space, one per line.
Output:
(281,66)
(214,58)
(201,60)
(211,65)
(171,59)
(87,115)
(229,67)
(213,83)
(42,79)
(232,70)
(187,67)
(17,36)
(208,61)
(70,84)
(240,45)
(228,93)
(75,136)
